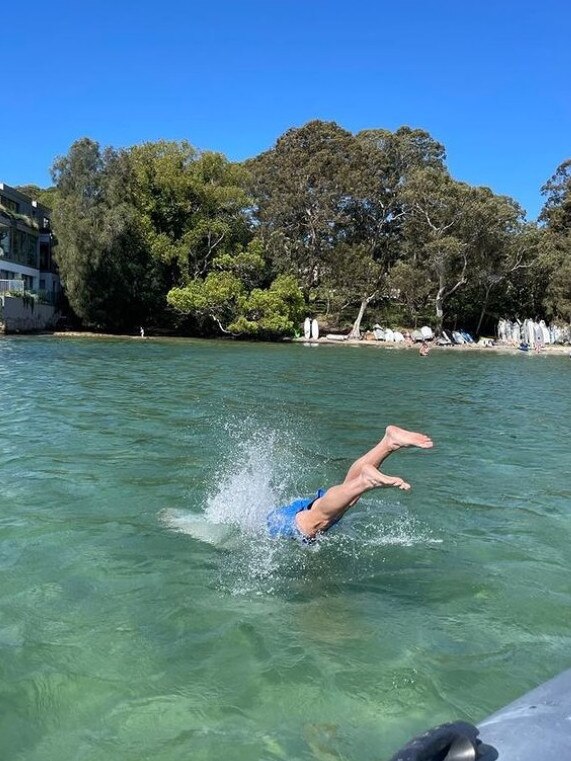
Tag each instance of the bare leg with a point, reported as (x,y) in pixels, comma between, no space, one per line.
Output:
(338,499)
(395,438)
(361,477)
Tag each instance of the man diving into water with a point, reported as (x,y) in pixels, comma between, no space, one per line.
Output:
(306,518)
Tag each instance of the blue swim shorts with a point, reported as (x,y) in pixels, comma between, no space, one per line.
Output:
(281,521)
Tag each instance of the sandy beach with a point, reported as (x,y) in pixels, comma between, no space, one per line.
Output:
(500,348)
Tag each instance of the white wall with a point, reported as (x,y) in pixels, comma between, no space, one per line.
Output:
(18,316)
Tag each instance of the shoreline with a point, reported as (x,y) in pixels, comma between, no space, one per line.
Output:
(499,348)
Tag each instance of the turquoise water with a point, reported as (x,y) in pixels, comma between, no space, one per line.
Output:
(143,613)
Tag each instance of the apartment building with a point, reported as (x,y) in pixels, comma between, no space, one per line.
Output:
(26,240)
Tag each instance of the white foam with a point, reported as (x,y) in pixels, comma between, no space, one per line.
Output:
(196,526)
(243,495)
(257,472)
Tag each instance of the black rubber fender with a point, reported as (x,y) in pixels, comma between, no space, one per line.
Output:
(456,741)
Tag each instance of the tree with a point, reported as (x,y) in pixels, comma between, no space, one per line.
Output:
(438,206)
(556,212)
(273,312)
(194,205)
(104,264)
(133,223)
(502,252)
(301,189)
(377,208)
(354,278)
(393,157)
(558,296)
(330,209)
(555,246)
(411,286)
(217,297)
(45,196)
(223,298)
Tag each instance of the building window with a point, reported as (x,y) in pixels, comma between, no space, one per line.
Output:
(8,203)
(24,249)
(45,258)
(4,241)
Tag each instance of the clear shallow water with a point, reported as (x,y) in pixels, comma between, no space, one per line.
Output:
(124,636)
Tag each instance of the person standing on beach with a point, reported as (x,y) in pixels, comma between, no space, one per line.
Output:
(306,518)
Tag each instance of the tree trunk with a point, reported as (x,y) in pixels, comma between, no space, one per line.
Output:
(483,311)
(439,311)
(442,294)
(356,329)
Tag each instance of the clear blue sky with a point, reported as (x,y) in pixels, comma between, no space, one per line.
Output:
(491,80)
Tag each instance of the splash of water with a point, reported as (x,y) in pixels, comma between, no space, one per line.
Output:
(243,495)
(258,470)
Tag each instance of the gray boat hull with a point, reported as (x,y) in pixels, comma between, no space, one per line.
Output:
(535,727)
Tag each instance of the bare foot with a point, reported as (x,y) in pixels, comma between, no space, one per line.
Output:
(398,437)
(373,478)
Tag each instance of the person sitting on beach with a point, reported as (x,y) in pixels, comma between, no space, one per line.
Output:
(307,518)
(424,349)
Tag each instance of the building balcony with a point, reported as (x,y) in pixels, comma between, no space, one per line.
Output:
(16,289)
(12,286)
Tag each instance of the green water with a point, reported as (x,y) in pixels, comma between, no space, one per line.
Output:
(122,636)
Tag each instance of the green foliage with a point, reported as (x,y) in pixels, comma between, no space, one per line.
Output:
(106,267)
(325,221)
(248,265)
(223,298)
(273,312)
(412,287)
(402,152)
(555,265)
(45,196)
(132,224)
(556,212)
(555,244)
(331,207)
(194,205)
(218,297)
(301,188)
(17,217)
